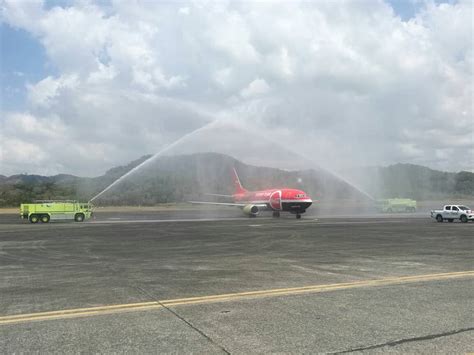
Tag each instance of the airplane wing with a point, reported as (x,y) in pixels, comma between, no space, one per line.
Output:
(217,203)
(261,205)
(218,195)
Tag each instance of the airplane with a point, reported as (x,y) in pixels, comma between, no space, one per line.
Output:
(277,200)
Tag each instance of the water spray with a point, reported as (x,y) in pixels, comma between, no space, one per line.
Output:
(365,193)
(313,162)
(207,126)
(152,158)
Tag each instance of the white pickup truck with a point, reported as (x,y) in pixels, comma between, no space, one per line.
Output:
(452,212)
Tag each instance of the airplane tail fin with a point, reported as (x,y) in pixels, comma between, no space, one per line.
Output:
(238,186)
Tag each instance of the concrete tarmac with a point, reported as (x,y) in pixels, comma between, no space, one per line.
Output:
(213,282)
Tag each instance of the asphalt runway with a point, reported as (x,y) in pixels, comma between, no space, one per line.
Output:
(213,282)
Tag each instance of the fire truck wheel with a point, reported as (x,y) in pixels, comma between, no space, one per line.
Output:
(45,218)
(79,217)
(34,218)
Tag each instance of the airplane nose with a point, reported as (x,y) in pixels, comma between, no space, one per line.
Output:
(306,204)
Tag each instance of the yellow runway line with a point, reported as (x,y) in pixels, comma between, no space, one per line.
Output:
(142,306)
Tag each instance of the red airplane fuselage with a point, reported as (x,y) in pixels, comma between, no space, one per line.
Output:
(278,199)
(285,199)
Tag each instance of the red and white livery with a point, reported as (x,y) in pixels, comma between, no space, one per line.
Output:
(277,200)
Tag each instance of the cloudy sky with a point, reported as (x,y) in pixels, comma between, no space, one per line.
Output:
(88,85)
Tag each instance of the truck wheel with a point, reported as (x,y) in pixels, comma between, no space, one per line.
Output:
(45,218)
(439,218)
(34,218)
(464,218)
(450,220)
(79,217)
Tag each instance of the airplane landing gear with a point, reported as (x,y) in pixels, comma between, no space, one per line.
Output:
(276,214)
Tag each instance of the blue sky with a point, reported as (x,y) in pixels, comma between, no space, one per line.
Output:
(407,9)
(23,60)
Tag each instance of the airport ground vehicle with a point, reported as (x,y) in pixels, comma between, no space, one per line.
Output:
(44,211)
(390,205)
(452,212)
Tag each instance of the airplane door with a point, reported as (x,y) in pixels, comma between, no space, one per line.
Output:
(275,200)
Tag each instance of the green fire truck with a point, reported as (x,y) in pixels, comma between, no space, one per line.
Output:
(44,211)
(390,205)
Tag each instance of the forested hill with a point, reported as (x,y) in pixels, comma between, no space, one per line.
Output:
(21,188)
(171,179)
(415,181)
(186,177)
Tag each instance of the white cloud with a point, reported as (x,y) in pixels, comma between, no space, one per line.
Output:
(410,150)
(28,126)
(103,74)
(223,77)
(255,88)
(184,10)
(349,81)
(44,93)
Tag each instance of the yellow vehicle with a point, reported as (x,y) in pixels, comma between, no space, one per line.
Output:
(390,205)
(44,211)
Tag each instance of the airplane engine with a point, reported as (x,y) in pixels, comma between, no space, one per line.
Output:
(250,210)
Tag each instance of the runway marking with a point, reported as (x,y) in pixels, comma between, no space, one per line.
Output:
(286,223)
(130,307)
(224,219)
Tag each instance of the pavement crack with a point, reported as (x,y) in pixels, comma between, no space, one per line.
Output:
(176,314)
(184,320)
(407,340)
